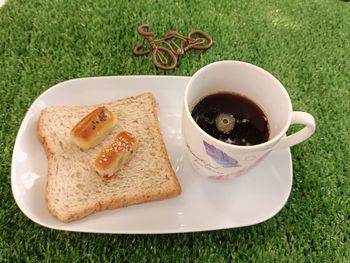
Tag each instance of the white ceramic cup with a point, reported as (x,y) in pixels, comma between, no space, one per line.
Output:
(219,160)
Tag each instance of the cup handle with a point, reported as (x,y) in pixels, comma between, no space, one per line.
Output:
(303,118)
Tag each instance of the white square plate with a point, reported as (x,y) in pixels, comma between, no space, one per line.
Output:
(204,204)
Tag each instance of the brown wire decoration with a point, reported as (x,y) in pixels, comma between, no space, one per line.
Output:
(168,48)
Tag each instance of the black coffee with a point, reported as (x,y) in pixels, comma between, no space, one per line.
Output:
(232,118)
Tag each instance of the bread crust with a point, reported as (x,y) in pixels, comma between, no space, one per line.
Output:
(113,203)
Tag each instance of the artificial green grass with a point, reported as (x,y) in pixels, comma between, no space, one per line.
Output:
(305,44)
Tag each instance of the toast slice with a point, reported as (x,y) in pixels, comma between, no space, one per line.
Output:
(74,189)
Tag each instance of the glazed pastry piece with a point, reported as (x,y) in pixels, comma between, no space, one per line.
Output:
(113,157)
(93,128)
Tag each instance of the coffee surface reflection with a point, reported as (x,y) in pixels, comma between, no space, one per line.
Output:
(232,118)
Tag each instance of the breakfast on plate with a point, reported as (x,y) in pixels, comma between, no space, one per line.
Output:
(104,157)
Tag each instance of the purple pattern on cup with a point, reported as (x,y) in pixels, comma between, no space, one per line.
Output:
(219,156)
(243,171)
